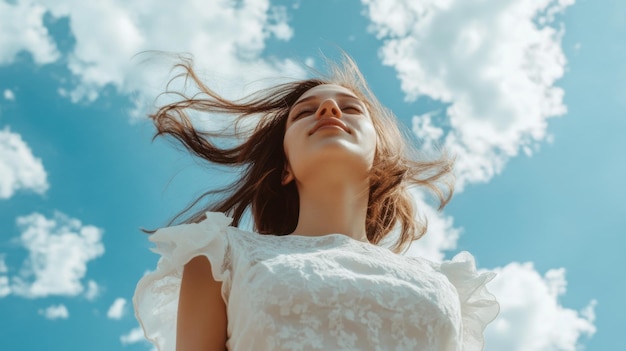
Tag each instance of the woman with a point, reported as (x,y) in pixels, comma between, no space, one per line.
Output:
(325,176)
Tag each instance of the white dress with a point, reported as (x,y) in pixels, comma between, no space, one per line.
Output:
(318,293)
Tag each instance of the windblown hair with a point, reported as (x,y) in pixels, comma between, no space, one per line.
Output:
(261,157)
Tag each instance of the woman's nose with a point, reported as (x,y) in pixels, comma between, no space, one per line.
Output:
(328,108)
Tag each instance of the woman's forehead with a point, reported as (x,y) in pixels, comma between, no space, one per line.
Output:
(327,91)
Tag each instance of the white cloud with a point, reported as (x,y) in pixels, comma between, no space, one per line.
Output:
(22,28)
(426,131)
(3,265)
(19,168)
(531,316)
(117,309)
(226,38)
(9,94)
(278,23)
(55,312)
(578,47)
(5,288)
(135,335)
(93,290)
(58,252)
(493,62)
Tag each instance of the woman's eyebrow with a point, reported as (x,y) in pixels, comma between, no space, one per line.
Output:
(308,98)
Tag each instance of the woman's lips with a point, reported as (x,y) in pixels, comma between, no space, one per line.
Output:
(329,122)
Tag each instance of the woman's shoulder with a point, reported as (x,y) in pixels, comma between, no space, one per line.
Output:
(156,295)
(185,237)
(215,229)
(213,226)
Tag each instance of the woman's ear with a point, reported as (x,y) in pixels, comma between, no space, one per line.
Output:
(287,176)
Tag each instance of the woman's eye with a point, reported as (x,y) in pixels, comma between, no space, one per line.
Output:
(302,113)
(352,109)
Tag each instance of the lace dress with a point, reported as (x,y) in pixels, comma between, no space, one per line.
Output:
(318,293)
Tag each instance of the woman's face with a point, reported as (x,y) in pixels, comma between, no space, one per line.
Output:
(329,124)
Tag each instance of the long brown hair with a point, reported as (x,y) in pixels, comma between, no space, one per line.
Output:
(261,157)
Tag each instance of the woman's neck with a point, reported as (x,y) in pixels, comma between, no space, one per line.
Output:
(333,208)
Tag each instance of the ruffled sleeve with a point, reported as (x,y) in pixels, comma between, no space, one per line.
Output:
(478,306)
(156,296)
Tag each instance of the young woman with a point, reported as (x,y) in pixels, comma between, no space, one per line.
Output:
(325,176)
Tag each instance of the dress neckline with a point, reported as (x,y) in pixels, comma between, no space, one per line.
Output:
(315,237)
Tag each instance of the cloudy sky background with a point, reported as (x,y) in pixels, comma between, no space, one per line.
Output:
(529,94)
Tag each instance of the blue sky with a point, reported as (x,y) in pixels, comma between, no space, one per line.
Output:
(529,94)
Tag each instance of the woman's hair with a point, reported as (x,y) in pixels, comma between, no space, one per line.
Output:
(261,157)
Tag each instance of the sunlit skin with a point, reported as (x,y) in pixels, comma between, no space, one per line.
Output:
(330,165)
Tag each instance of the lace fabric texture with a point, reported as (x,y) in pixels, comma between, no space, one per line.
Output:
(330,292)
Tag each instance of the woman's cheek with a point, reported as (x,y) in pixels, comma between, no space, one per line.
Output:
(370,140)
(290,144)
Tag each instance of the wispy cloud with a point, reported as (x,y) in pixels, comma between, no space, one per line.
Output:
(135,335)
(55,312)
(5,288)
(3,265)
(117,309)
(59,249)
(93,290)
(19,168)
(8,94)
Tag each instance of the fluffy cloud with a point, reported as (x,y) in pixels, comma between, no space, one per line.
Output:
(493,63)
(58,252)
(135,335)
(117,309)
(22,28)
(55,312)
(531,316)
(93,290)
(8,94)
(19,168)
(226,38)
